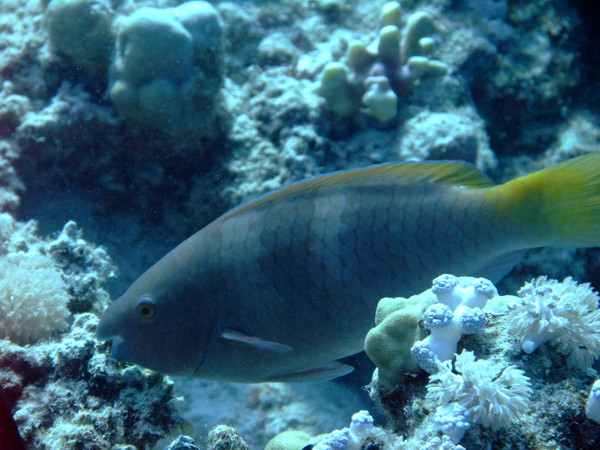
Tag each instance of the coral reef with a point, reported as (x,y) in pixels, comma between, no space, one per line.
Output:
(360,434)
(277,135)
(520,70)
(45,282)
(264,410)
(519,92)
(289,440)
(183,443)
(165,64)
(85,267)
(592,407)
(11,108)
(502,390)
(396,329)
(51,291)
(393,344)
(93,401)
(451,135)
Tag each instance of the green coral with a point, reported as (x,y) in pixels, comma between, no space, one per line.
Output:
(388,344)
(289,440)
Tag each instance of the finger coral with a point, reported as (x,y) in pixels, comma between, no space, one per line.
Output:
(376,77)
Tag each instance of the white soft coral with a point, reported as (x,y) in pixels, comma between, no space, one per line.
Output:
(493,395)
(565,314)
(457,313)
(33,297)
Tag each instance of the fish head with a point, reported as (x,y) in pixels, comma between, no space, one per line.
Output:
(153,325)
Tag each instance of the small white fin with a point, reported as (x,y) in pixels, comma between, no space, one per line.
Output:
(327,372)
(256,342)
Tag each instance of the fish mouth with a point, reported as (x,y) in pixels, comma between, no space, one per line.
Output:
(103,331)
(109,324)
(117,350)
(107,329)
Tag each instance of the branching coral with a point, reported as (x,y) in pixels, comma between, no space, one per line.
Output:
(565,314)
(374,78)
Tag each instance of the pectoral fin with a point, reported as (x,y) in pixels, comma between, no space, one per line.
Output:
(499,266)
(326,372)
(255,342)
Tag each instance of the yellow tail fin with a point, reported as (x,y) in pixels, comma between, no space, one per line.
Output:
(561,203)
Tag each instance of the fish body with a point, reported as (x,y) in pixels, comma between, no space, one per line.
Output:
(280,288)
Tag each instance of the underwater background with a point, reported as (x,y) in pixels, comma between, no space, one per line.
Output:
(124,130)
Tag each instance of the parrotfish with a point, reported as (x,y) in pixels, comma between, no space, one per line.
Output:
(282,287)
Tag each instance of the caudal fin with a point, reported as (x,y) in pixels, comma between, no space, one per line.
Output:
(560,203)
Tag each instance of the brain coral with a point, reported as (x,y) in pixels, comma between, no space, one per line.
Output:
(33,297)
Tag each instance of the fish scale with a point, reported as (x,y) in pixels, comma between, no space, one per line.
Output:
(280,288)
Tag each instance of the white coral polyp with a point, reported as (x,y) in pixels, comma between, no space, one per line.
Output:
(565,314)
(494,395)
(33,298)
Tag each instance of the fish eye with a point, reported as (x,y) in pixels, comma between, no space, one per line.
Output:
(146,308)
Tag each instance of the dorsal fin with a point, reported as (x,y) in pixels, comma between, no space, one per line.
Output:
(443,172)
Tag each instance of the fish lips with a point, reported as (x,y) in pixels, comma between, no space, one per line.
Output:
(103,331)
(107,329)
(118,349)
(113,321)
